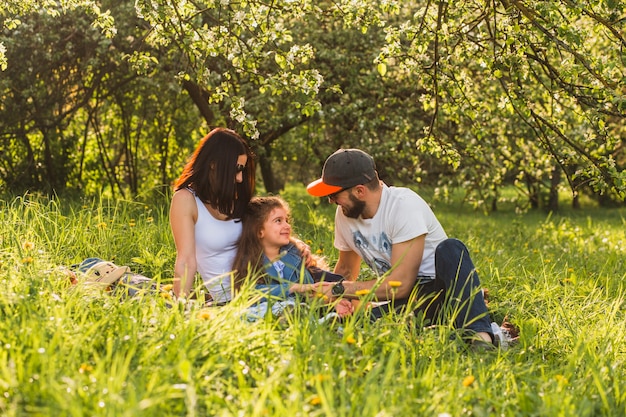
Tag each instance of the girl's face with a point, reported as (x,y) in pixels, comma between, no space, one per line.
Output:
(276,229)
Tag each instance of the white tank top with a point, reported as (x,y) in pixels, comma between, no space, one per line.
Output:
(216,246)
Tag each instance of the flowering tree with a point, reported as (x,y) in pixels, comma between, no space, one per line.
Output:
(479,94)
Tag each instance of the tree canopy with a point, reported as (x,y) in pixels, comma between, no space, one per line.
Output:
(472,94)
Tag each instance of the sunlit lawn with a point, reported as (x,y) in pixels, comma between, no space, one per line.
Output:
(71,351)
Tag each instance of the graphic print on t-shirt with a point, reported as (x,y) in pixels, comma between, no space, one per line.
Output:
(375,253)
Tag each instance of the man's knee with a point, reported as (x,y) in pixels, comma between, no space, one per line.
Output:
(449,247)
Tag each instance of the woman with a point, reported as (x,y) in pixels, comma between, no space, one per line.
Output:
(267,254)
(205,214)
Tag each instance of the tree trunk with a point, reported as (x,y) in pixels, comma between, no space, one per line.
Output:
(272,185)
(52,182)
(201,99)
(553,197)
(575,200)
(533,192)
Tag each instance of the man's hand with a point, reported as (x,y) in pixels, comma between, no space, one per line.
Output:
(305,252)
(323,289)
(344,308)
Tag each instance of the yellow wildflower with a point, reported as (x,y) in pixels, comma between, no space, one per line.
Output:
(350,340)
(85,368)
(165,295)
(316,400)
(362,292)
(28,260)
(468,380)
(166,287)
(28,245)
(395,284)
(319,378)
(204,314)
(321,295)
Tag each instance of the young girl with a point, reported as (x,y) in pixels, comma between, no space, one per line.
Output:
(265,251)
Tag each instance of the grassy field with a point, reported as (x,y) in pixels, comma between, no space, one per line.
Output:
(67,350)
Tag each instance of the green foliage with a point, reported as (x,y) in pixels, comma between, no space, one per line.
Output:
(71,350)
(472,94)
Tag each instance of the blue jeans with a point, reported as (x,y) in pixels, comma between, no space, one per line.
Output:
(455,291)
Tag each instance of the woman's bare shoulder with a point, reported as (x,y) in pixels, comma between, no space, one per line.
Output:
(183,200)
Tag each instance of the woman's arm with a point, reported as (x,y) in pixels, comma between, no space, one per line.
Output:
(183,216)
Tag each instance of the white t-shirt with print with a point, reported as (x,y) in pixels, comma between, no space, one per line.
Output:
(401,216)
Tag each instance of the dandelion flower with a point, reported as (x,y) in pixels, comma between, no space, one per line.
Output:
(362,292)
(319,378)
(85,368)
(28,260)
(132,223)
(468,380)
(166,287)
(561,379)
(395,284)
(28,245)
(204,315)
(321,295)
(166,295)
(315,400)
(350,340)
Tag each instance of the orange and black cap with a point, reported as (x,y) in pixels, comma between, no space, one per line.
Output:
(344,169)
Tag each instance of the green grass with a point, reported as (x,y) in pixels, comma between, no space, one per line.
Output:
(71,351)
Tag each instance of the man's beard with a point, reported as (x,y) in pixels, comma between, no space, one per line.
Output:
(356,210)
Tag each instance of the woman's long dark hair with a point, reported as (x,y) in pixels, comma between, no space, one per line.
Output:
(249,258)
(212,169)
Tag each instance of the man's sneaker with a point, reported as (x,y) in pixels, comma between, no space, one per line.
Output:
(481,346)
(502,337)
